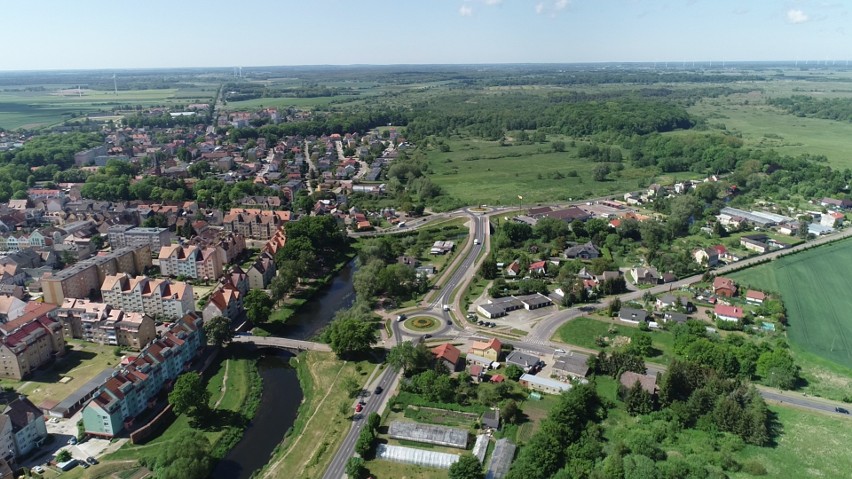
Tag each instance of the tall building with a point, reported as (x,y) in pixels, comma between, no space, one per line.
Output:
(129,235)
(29,342)
(191,262)
(84,278)
(157,298)
(104,324)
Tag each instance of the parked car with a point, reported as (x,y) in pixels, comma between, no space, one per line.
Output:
(359,407)
(38,470)
(561,351)
(72,441)
(91,460)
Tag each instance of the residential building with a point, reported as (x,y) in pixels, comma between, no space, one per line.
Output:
(85,277)
(631,315)
(755,297)
(227,302)
(629,378)
(255,224)
(707,257)
(190,261)
(835,203)
(157,298)
(523,360)
(491,418)
(28,343)
(489,349)
(11,308)
(724,287)
(7,441)
(447,354)
(261,273)
(28,427)
(645,275)
(571,367)
(127,235)
(728,313)
(583,251)
(133,388)
(101,323)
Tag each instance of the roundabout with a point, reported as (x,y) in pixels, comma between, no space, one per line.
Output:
(421,324)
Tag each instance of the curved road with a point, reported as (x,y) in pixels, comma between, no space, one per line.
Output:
(538,341)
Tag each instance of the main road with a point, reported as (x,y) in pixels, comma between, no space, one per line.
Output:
(441,306)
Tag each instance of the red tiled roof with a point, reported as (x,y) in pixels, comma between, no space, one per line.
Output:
(729,311)
(752,294)
(447,352)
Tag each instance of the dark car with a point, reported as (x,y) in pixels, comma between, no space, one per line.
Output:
(842,410)
(378,390)
(427,336)
(91,460)
(449,322)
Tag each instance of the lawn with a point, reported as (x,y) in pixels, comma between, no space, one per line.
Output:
(583,331)
(323,416)
(813,286)
(81,363)
(472,168)
(227,395)
(394,470)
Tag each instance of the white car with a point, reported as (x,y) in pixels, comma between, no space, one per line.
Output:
(561,351)
(38,470)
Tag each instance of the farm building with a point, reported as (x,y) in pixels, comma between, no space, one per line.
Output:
(545,385)
(418,457)
(501,459)
(571,366)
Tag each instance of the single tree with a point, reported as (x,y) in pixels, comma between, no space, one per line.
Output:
(514,372)
(510,412)
(189,395)
(218,331)
(373,421)
(258,306)
(364,444)
(638,400)
(467,467)
(189,459)
(350,336)
(64,455)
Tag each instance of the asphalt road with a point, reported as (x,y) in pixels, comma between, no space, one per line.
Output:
(538,341)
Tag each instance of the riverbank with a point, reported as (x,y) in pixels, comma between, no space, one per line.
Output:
(235,391)
(323,419)
(283,317)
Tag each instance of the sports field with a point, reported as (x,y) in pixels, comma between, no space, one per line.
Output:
(815,287)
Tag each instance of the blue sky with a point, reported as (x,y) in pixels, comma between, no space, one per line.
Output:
(65,34)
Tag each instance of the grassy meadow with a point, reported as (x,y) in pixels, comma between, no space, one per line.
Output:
(483,172)
(583,331)
(814,289)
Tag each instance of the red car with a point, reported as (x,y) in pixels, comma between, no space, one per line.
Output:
(358,407)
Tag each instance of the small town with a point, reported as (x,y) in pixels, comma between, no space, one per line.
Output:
(501,259)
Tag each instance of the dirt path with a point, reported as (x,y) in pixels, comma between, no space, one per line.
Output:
(272,469)
(224,387)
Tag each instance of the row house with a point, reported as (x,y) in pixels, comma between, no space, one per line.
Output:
(28,343)
(85,277)
(133,388)
(101,323)
(190,261)
(23,241)
(157,298)
(228,246)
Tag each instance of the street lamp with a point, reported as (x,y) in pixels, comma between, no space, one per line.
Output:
(520,204)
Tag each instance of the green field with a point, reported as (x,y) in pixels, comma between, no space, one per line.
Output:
(484,172)
(814,289)
(30,109)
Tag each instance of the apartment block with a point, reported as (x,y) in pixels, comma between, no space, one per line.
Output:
(255,224)
(134,387)
(157,298)
(121,236)
(104,324)
(29,342)
(84,278)
(190,261)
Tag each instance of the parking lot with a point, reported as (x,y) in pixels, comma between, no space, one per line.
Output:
(62,430)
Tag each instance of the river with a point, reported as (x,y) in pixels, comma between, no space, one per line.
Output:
(282,393)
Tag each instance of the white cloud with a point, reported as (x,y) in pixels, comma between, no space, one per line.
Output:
(465,11)
(796,16)
(539,8)
(491,3)
(561,4)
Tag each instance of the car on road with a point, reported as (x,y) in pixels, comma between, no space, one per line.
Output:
(446,307)
(401,317)
(91,460)
(378,390)
(427,336)
(449,322)
(476,241)
(842,410)
(561,351)
(359,407)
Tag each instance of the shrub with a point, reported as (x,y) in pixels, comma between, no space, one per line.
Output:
(754,468)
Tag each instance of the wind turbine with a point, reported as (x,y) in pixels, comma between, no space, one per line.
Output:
(115,84)
(79,91)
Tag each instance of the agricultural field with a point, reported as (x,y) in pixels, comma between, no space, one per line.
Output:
(814,289)
(32,109)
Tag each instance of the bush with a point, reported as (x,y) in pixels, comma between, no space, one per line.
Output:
(754,468)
